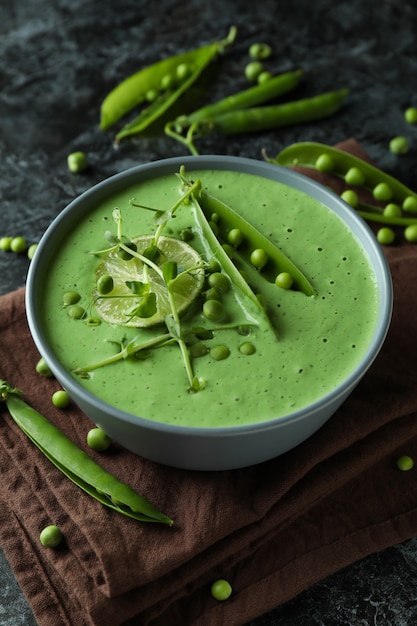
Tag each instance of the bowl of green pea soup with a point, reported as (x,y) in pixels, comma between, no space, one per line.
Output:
(209,312)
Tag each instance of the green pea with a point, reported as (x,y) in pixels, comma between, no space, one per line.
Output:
(221,590)
(260,51)
(43,368)
(18,244)
(182,71)
(259,258)
(284,280)
(51,536)
(219,281)
(351,197)
(399,145)
(213,310)
(410,233)
(70,297)
(405,463)
(212,294)
(92,321)
(392,210)
(213,266)
(186,234)
(410,115)
(215,217)
(235,237)
(76,311)
(385,236)
(5,243)
(410,204)
(151,95)
(252,70)
(31,250)
(98,440)
(382,192)
(325,163)
(198,350)
(123,254)
(354,176)
(263,77)
(167,81)
(105,284)
(219,353)
(214,227)
(61,399)
(247,348)
(77,162)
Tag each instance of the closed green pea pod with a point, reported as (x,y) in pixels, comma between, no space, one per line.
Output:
(75,463)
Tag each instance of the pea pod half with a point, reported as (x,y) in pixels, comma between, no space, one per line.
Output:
(134,90)
(76,464)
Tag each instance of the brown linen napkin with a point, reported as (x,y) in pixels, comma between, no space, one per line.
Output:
(272,530)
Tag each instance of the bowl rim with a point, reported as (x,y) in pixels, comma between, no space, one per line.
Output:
(281,174)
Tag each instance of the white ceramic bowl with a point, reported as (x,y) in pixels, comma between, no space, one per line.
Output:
(207,448)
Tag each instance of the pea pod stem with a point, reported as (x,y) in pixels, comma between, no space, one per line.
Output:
(133,91)
(306,154)
(76,464)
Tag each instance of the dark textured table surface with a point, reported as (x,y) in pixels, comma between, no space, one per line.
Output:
(58,60)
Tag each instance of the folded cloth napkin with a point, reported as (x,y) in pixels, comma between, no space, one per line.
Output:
(272,530)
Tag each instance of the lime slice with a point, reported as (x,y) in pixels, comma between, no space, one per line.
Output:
(116,306)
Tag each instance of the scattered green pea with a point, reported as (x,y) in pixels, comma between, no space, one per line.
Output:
(198,349)
(392,210)
(264,77)
(215,217)
(284,280)
(43,368)
(167,81)
(51,536)
(410,115)
(260,51)
(410,204)
(405,463)
(325,163)
(98,440)
(410,233)
(219,281)
(92,321)
(235,237)
(219,353)
(151,95)
(212,294)
(123,254)
(213,266)
(77,162)
(385,236)
(31,250)
(382,192)
(5,243)
(61,399)
(399,145)
(351,197)
(354,176)
(70,297)
(105,284)
(259,258)
(76,311)
(221,590)
(18,244)
(213,310)
(186,234)
(247,348)
(252,70)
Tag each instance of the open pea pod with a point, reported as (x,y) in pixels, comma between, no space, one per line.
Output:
(253,239)
(76,464)
(339,163)
(134,90)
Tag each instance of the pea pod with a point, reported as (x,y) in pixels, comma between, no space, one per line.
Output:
(133,91)
(339,163)
(76,464)
(272,88)
(252,239)
(278,115)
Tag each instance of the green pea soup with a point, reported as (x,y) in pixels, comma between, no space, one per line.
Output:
(251,372)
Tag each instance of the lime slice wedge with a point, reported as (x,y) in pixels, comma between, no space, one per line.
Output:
(116,306)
